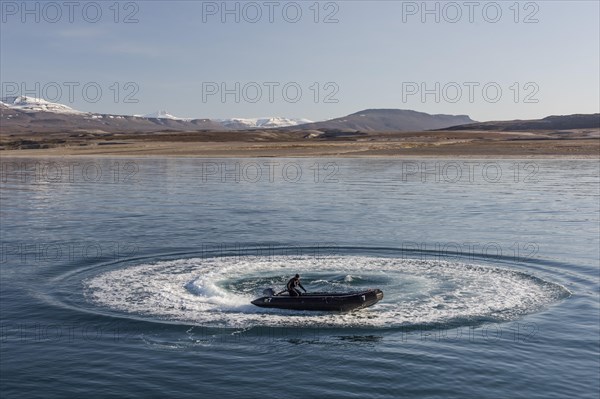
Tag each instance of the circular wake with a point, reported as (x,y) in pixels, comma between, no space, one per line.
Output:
(218,291)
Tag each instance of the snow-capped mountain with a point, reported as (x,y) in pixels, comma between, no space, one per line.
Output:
(238,123)
(162,114)
(267,122)
(32,104)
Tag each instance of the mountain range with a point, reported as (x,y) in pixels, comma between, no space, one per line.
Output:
(22,114)
(155,121)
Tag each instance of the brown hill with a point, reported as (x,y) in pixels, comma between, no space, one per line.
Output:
(386,120)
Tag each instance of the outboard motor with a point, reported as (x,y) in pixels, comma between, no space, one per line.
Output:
(269,292)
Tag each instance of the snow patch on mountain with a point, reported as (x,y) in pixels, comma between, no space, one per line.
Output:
(162,114)
(265,123)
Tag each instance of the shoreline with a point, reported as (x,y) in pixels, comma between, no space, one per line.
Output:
(575,144)
(145,152)
(363,157)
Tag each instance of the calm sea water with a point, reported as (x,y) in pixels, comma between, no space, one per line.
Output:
(133,277)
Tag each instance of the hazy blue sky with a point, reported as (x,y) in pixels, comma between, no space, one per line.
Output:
(177,55)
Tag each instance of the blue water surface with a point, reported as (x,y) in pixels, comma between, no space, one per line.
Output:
(73,229)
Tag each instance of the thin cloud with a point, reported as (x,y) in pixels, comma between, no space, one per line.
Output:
(84,32)
(137,49)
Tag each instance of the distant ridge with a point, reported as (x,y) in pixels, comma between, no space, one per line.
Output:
(554,122)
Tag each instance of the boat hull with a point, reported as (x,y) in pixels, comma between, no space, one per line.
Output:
(322,301)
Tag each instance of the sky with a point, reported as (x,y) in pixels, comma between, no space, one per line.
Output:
(305,59)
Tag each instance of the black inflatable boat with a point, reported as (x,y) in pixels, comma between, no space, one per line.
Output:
(341,302)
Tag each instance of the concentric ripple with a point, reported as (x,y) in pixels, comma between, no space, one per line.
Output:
(217,291)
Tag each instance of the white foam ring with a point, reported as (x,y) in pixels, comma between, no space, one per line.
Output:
(416,291)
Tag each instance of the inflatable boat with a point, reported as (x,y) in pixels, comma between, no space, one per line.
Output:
(328,301)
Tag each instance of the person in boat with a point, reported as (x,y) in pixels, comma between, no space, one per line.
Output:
(292,284)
